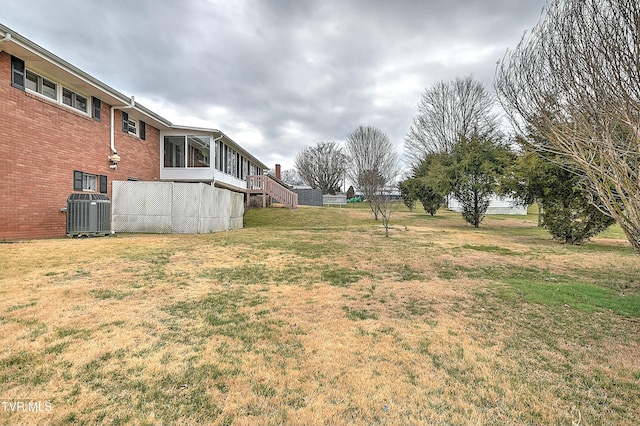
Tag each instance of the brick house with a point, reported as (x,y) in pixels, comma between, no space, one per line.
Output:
(63,131)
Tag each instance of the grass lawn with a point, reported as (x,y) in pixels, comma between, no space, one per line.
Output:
(312,316)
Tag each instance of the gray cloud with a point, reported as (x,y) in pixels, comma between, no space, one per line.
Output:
(278,75)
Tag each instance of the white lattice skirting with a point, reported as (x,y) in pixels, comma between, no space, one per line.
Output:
(173,207)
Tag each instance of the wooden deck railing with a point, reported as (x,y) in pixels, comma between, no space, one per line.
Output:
(266,186)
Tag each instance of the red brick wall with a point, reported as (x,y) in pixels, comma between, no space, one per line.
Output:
(42,143)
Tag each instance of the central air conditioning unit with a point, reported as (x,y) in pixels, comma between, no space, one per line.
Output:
(88,215)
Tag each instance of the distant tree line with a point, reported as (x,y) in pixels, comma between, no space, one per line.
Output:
(571,90)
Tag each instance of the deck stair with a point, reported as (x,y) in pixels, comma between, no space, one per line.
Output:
(265,185)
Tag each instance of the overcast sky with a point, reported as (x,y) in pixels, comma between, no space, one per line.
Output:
(278,75)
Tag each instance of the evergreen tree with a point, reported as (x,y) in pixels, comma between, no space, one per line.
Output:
(472,173)
(568,212)
(408,193)
(431,200)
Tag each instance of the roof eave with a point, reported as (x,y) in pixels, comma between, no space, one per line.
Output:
(17,43)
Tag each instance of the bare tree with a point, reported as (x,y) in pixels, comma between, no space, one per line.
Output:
(374,169)
(448,111)
(322,166)
(575,80)
(291,177)
(386,203)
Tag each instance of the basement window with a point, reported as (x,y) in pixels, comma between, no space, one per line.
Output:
(89,182)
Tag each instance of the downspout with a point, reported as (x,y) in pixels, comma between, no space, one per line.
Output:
(217,139)
(115,158)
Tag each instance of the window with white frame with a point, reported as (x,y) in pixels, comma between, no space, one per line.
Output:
(74,100)
(38,84)
(133,126)
(89,182)
(174,151)
(187,151)
(198,151)
(41,85)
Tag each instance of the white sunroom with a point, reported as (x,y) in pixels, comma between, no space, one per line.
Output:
(205,155)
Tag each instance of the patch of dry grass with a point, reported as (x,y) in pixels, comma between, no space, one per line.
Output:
(314,317)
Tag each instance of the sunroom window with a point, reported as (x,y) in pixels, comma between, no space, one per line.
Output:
(199,151)
(174,151)
(187,151)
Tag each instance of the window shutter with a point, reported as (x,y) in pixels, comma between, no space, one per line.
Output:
(95,102)
(77,180)
(125,122)
(143,130)
(103,184)
(17,73)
